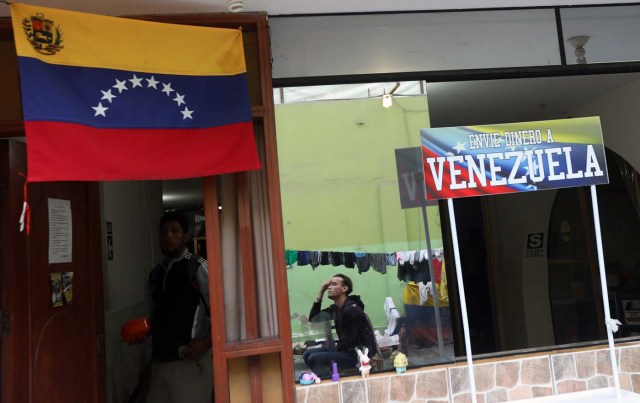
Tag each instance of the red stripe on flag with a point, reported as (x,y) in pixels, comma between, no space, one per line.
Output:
(67,152)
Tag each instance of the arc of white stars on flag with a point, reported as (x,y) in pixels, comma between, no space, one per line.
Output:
(100,110)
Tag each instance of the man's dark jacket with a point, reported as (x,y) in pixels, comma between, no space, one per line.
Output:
(352,325)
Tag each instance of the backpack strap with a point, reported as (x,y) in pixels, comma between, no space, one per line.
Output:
(153,276)
(193,265)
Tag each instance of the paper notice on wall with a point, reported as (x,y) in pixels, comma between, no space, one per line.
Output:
(60,231)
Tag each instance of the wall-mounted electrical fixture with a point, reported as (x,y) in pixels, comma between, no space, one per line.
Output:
(387,99)
(235,6)
(578,43)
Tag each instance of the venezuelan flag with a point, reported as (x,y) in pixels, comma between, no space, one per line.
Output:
(108,98)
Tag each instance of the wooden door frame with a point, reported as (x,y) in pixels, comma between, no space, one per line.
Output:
(14,383)
(253,348)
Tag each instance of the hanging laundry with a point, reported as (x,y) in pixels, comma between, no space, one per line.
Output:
(406,270)
(392,315)
(425,292)
(415,257)
(337,258)
(349,260)
(379,262)
(391,258)
(363,262)
(290,257)
(401,257)
(437,269)
(325,258)
(421,273)
(441,287)
(304,258)
(315,259)
(424,255)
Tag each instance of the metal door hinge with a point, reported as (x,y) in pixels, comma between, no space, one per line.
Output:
(5,323)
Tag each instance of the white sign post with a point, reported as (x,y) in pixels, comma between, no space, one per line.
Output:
(518,157)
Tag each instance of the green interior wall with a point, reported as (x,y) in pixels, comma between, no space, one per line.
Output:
(373,287)
(340,191)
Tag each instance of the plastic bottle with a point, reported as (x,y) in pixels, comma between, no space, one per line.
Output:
(334,375)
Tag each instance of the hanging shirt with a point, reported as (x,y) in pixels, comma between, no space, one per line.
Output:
(349,260)
(337,258)
(304,258)
(363,262)
(291,257)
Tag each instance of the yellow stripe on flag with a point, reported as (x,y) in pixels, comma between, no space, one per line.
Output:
(89,40)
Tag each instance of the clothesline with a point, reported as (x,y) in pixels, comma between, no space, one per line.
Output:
(406,261)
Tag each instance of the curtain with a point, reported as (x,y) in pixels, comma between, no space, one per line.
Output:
(261,221)
(234,287)
(231,261)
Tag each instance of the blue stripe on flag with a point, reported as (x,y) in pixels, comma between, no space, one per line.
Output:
(107,98)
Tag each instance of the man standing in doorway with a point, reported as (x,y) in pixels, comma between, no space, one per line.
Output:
(352,327)
(181,370)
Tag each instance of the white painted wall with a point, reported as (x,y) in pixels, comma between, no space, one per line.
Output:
(618,111)
(134,209)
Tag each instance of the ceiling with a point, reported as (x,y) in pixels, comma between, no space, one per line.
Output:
(289,7)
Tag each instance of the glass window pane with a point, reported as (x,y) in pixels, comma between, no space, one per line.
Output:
(342,215)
